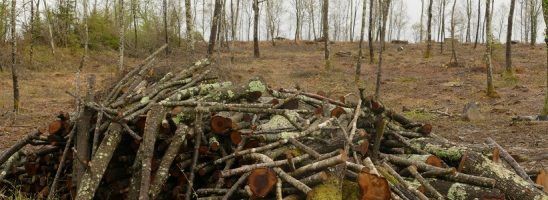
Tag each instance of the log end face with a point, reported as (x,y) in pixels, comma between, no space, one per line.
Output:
(261,181)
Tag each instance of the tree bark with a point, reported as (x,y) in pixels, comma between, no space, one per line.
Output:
(325,27)
(508,69)
(50,31)
(385,7)
(453,49)
(370,35)
(166,33)
(429,30)
(421,22)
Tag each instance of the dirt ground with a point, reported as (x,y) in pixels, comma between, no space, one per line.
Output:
(409,81)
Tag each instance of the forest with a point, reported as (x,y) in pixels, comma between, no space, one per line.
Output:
(274,99)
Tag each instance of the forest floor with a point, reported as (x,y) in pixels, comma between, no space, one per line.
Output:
(409,81)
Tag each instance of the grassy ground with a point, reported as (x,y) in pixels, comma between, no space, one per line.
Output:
(409,81)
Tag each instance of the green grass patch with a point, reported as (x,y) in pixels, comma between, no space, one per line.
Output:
(419,115)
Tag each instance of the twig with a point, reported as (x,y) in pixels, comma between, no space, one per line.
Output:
(424,182)
(197,140)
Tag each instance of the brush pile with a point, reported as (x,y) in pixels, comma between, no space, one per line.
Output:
(187,135)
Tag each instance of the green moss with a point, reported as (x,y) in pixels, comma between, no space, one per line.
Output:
(256,86)
(329,190)
(350,190)
(457,192)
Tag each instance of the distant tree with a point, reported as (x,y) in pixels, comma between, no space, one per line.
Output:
(31,49)
(453,60)
(325,27)
(429,30)
(508,69)
(468,18)
(478,24)
(422,21)
(50,29)
(488,50)
(121,33)
(385,7)
(256,52)
(360,48)
(442,28)
(545,9)
(134,15)
(14,74)
(370,34)
(535,9)
(164,16)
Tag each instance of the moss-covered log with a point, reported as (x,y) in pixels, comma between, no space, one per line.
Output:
(98,164)
(460,191)
(512,185)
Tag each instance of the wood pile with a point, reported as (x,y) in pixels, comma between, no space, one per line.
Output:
(191,136)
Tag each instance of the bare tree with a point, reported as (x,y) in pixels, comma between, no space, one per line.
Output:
(422,21)
(214,26)
(384,6)
(478,24)
(429,30)
(442,28)
(122,37)
(488,50)
(325,28)
(454,61)
(14,75)
(256,52)
(31,50)
(534,13)
(134,15)
(360,48)
(298,18)
(545,9)
(468,18)
(50,29)
(508,69)
(370,35)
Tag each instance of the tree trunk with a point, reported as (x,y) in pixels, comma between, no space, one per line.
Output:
(442,30)
(122,37)
(189,25)
(360,48)
(325,27)
(429,30)
(545,11)
(478,25)
(488,50)
(453,49)
(256,51)
(508,69)
(370,36)
(385,7)
(31,51)
(468,18)
(14,74)
(214,25)
(134,13)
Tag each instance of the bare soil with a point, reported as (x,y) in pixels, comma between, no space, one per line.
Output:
(409,81)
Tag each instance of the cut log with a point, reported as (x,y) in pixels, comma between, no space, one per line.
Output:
(373,187)
(18,146)
(152,126)
(508,158)
(513,186)
(261,182)
(461,191)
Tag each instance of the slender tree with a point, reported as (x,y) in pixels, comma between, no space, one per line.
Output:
(488,50)
(429,30)
(214,25)
(256,51)
(31,50)
(468,18)
(134,15)
(50,29)
(325,27)
(478,24)
(508,69)
(370,34)
(422,21)
(453,60)
(535,12)
(442,29)
(360,48)
(385,7)
(121,34)
(545,9)
(14,75)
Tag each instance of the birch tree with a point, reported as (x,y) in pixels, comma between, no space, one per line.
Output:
(122,37)
(545,11)
(429,30)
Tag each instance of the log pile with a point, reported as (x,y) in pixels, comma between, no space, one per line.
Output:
(188,135)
